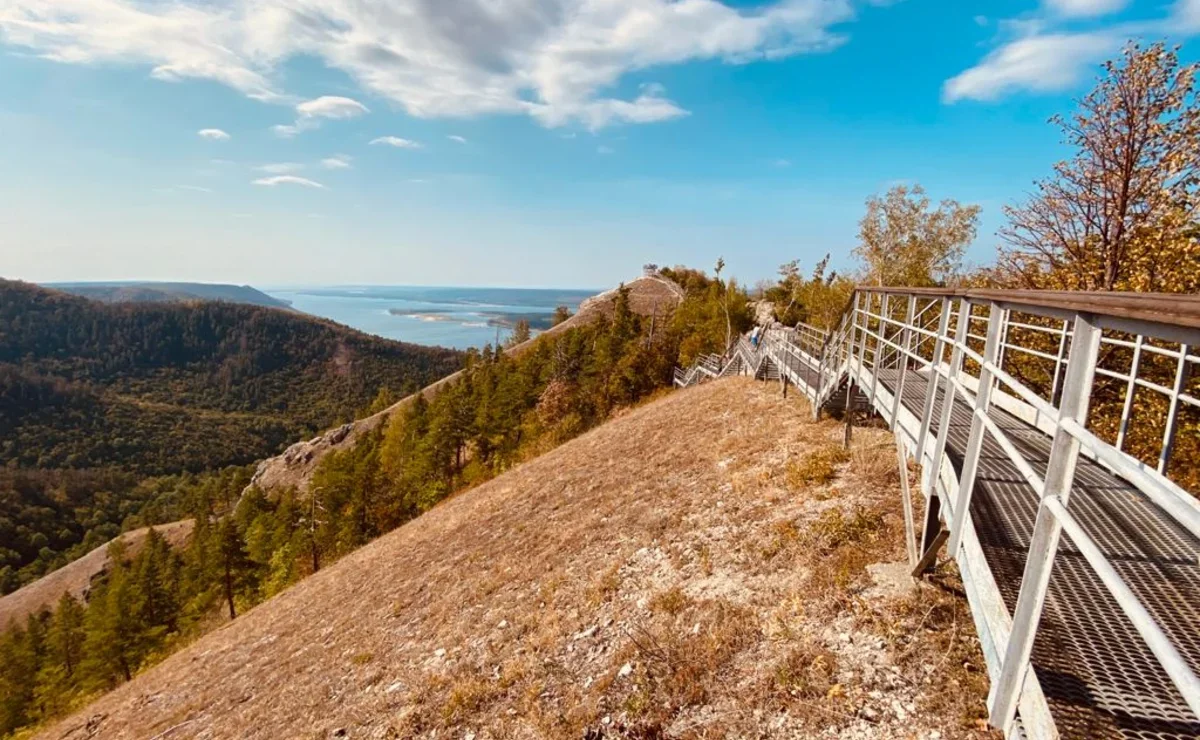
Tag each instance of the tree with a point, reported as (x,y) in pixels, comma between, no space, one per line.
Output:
(66,634)
(232,563)
(113,643)
(520,333)
(1121,213)
(561,314)
(724,289)
(903,241)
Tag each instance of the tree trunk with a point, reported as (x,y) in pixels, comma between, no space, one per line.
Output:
(229,590)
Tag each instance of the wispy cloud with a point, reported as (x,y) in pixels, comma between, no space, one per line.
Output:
(553,60)
(331,106)
(602,149)
(781,163)
(213,134)
(338,162)
(288,180)
(310,112)
(280,168)
(1055,50)
(397,142)
(194,188)
(1042,63)
(459,139)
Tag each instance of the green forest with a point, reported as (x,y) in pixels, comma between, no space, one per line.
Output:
(99,401)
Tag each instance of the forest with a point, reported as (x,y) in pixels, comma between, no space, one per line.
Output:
(99,400)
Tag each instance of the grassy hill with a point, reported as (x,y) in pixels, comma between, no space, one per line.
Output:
(684,570)
(158,292)
(95,397)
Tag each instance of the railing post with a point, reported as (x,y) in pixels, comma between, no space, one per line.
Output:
(943,432)
(1127,409)
(931,388)
(908,320)
(983,398)
(1181,378)
(1039,562)
(883,314)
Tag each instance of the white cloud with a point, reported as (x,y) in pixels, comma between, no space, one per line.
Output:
(1187,14)
(338,162)
(331,106)
(1042,63)
(554,60)
(194,188)
(397,142)
(280,168)
(309,113)
(287,180)
(213,134)
(459,139)
(1085,8)
(602,149)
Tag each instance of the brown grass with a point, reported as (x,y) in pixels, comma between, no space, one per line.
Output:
(656,577)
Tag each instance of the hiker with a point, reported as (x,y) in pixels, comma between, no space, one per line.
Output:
(754,337)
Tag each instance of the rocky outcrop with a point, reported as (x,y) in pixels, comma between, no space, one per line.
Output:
(649,295)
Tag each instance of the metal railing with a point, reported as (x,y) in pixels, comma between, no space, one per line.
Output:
(1046,358)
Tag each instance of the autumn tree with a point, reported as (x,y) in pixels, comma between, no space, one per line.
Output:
(561,314)
(1121,213)
(904,240)
(521,333)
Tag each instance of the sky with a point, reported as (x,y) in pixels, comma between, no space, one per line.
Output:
(519,142)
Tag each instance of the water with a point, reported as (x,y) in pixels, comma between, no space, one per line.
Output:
(446,317)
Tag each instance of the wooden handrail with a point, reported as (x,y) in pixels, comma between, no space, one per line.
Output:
(1174,309)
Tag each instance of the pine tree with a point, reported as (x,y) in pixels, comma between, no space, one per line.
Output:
(233,565)
(113,639)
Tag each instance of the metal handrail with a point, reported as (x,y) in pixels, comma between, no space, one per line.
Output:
(937,338)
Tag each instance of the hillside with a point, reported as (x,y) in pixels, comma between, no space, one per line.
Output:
(648,296)
(94,397)
(157,292)
(76,577)
(685,570)
(168,387)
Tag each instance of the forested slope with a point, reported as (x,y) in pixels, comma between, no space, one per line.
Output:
(96,397)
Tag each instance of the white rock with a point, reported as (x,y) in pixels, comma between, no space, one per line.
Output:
(440,652)
(503,623)
(625,670)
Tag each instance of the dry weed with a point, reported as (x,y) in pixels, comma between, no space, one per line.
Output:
(816,468)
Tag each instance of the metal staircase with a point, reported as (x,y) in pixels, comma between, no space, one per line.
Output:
(1095,634)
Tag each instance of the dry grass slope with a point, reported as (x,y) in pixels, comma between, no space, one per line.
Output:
(77,576)
(685,570)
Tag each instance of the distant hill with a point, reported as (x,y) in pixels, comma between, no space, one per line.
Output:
(146,389)
(155,292)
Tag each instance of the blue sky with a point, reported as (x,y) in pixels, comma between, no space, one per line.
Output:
(517,142)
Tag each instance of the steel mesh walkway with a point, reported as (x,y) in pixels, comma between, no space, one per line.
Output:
(1079,548)
(1097,674)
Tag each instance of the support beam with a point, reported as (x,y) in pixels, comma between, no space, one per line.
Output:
(910,526)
